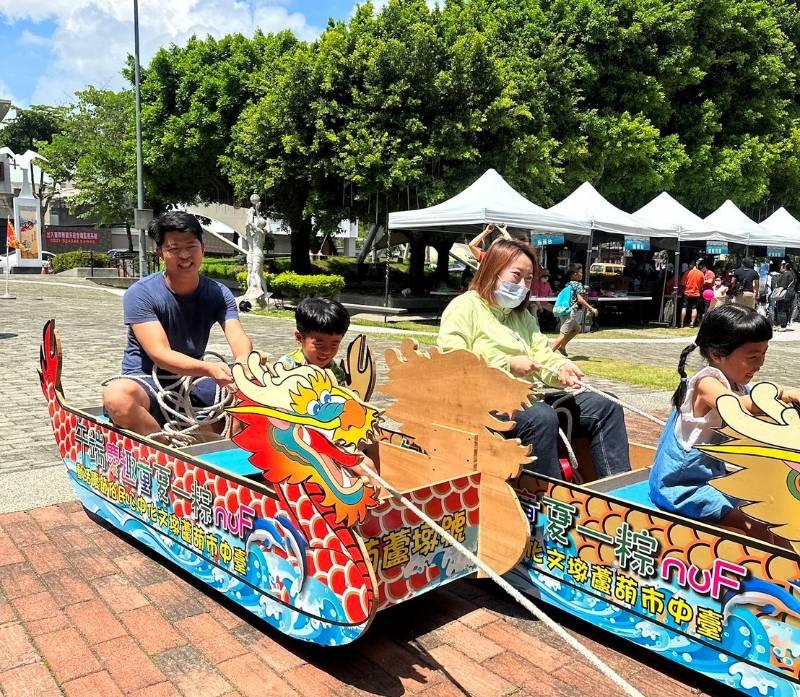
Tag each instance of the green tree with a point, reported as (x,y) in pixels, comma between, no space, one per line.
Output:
(32,129)
(96,152)
(29,127)
(273,147)
(192,96)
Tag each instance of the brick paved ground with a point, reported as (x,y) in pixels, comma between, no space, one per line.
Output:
(84,612)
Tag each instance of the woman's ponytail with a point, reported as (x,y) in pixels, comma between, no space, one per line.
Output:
(680,393)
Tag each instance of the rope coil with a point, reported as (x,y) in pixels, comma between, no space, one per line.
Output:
(181,417)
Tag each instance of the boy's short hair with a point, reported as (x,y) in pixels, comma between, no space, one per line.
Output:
(321,315)
(174,221)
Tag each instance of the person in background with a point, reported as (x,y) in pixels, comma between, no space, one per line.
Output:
(708,288)
(719,294)
(572,322)
(745,284)
(475,243)
(692,287)
(541,288)
(784,290)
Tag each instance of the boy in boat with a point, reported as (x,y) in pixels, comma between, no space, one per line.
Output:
(320,326)
(169,317)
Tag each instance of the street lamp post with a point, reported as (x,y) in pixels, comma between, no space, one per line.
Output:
(139,178)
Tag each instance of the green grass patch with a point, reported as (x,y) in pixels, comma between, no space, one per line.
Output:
(275,313)
(643,374)
(405,326)
(421,339)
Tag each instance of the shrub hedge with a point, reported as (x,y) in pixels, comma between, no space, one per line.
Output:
(221,268)
(72,260)
(294,286)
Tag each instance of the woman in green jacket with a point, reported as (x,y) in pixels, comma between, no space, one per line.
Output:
(492,320)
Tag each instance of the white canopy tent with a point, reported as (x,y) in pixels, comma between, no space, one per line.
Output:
(586,202)
(739,228)
(785,226)
(490,199)
(665,210)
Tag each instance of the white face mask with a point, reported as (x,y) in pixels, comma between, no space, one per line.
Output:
(509,295)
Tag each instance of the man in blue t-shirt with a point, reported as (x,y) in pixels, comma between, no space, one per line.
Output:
(169,317)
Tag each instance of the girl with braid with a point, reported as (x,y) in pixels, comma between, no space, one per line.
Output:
(734,340)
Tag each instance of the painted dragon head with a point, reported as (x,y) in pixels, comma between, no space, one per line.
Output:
(766,452)
(302,427)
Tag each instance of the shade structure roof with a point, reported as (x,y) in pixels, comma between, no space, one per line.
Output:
(739,228)
(587,202)
(490,199)
(665,210)
(785,226)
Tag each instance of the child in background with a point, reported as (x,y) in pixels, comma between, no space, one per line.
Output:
(719,294)
(320,327)
(734,340)
(572,322)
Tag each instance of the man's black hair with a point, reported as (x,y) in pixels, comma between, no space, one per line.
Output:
(321,315)
(174,221)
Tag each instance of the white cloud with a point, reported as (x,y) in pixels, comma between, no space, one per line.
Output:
(28,38)
(93,37)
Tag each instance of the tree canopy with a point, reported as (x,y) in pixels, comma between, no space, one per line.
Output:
(402,107)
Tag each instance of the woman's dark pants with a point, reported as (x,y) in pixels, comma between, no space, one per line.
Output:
(592,415)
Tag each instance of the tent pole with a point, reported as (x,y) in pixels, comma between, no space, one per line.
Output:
(588,257)
(677,272)
(663,291)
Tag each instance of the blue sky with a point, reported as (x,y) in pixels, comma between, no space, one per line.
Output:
(53,47)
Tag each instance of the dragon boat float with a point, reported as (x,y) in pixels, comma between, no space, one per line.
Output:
(279,520)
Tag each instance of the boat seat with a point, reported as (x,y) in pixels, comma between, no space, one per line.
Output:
(233,460)
(633,487)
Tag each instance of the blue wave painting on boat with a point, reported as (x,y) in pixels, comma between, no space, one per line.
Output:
(311,611)
(747,638)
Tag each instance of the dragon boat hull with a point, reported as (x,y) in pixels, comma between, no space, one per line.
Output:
(715,602)
(272,550)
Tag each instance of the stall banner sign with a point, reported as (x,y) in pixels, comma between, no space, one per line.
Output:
(539,240)
(634,243)
(716,247)
(776,251)
(88,237)
(28,231)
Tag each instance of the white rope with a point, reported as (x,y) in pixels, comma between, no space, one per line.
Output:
(566,435)
(508,588)
(608,396)
(182,418)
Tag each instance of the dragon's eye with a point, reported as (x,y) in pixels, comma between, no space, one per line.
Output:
(325,397)
(313,407)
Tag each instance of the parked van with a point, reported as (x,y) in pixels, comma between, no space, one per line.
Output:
(603,269)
